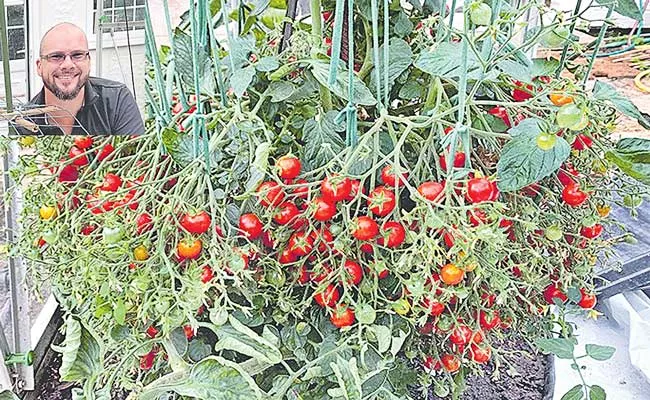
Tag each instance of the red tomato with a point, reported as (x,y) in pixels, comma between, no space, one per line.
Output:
(566,174)
(355,184)
(288,167)
(270,194)
(462,335)
(573,195)
(323,237)
(433,307)
(587,300)
(287,213)
(147,360)
(324,209)
(335,188)
(304,275)
(152,331)
(206,274)
(381,201)
(480,190)
(390,178)
(251,225)
(364,228)
(520,95)
(480,354)
(450,362)
(582,142)
(489,320)
(267,240)
(68,173)
(501,112)
(353,272)
(88,229)
(143,223)
(477,216)
(83,142)
(327,297)
(301,244)
(301,192)
(394,233)
(111,183)
(342,316)
(189,332)
(80,159)
(591,232)
(189,248)
(196,223)
(551,292)
(459,160)
(286,256)
(106,151)
(431,190)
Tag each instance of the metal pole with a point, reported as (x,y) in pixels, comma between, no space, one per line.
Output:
(99,38)
(19,297)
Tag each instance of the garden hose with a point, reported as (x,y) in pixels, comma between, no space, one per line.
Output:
(638,81)
(632,45)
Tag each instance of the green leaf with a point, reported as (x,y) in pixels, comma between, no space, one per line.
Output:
(258,168)
(402,25)
(267,64)
(445,61)
(398,342)
(607,93)
(240,49)
(562,348)
(178,145)
(82,355)
(576,393)
(8,395)
(212,378)
(574,294)
(184,64)
(198,349)
(411,90)
(544,67)
(526,129)
(516,70)
(628,8)
(400,58)
(632,156)
(373,381)
(362,94)
(119,312)
(241,79)
(600,353)
(240,338)
(382,334)
(179,340)
(522,162)
(322,141)
(280,91)
(597,393)
(347,376)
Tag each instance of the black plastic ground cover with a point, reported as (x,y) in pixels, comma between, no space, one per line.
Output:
(634,259)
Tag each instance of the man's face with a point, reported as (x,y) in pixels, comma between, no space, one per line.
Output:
(64,78)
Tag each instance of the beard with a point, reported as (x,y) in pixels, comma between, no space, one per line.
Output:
(65,93)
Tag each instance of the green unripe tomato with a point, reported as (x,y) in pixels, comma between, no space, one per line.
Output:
(480,14)
(556,37)
(553,233)
(546,141)
(365,314)
(569,115)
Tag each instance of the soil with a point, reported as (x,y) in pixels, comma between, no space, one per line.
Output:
(49,387)
(524,376)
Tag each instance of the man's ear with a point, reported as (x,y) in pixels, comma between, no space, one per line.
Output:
(38,67)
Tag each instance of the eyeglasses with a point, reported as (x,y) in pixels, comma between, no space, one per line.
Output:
(58,58)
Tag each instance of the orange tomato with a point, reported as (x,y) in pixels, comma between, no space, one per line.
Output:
(189,248)
(560,99)
(451,274)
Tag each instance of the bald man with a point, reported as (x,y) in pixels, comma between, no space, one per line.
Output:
(88,104)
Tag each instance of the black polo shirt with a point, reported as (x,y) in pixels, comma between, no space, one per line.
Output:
(109,109)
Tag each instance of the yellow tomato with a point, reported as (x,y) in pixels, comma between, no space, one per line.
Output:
(402,306)
(27,141)
(47,212)
(604,210)
(140,253)
(560,99)
(451,274)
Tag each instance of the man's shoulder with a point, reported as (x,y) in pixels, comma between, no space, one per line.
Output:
(105,83)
